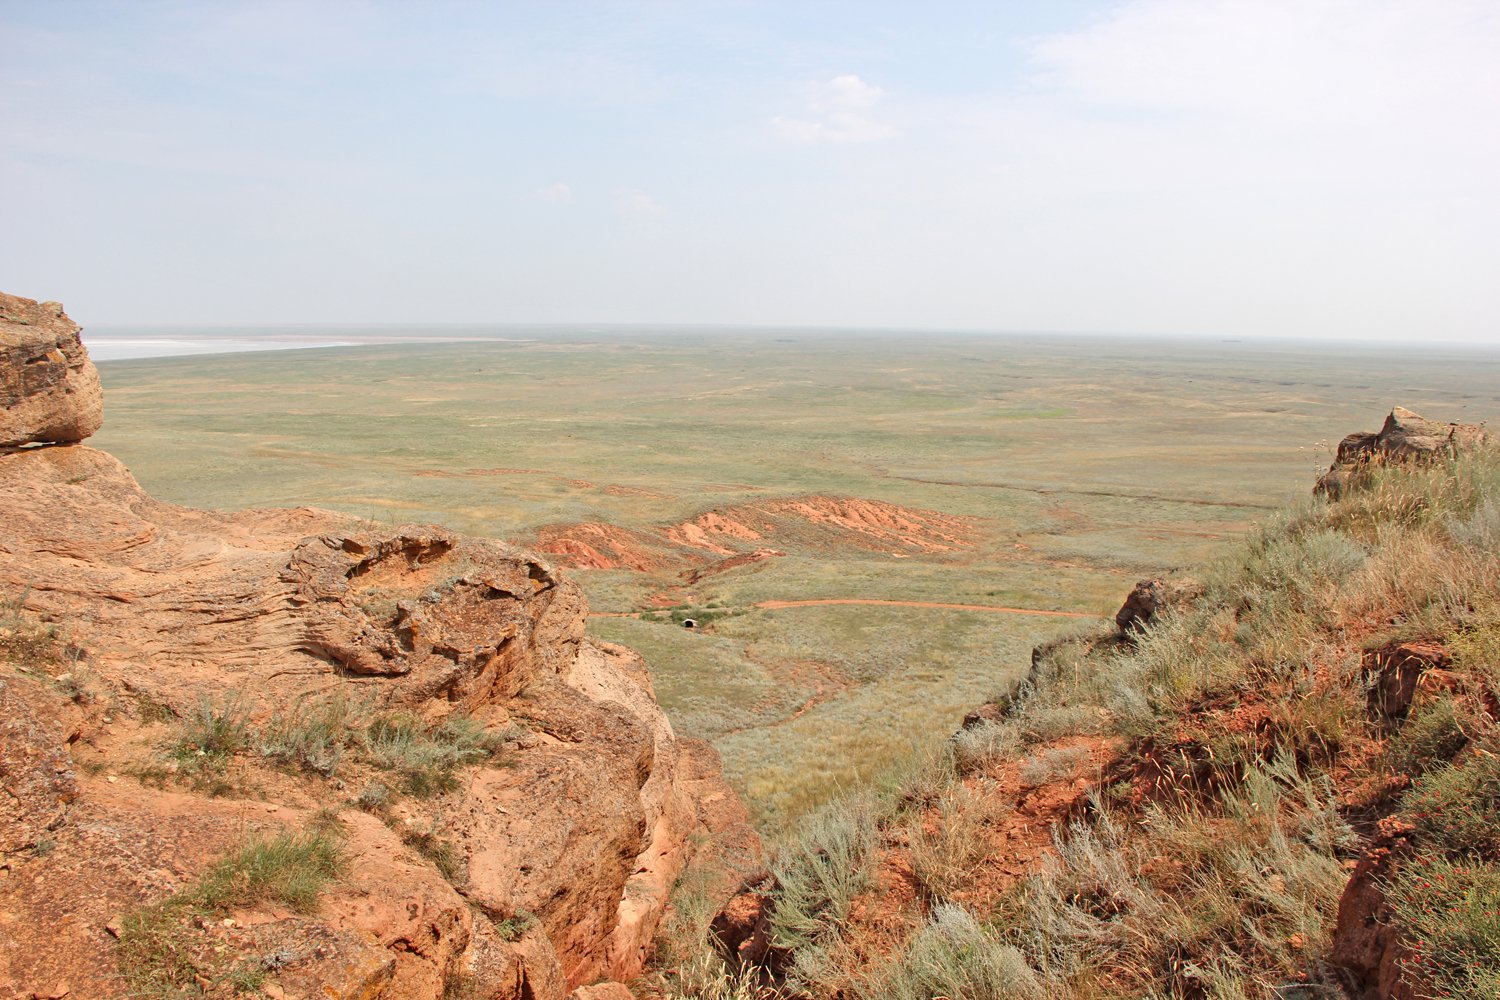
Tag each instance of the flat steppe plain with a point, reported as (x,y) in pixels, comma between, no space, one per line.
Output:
(1019,473)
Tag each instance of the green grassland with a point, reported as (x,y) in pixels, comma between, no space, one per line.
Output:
(1083,464)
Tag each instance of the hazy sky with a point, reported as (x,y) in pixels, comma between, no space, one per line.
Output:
(1225,167)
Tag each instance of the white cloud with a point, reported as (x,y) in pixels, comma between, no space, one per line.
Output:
(843,109)
(847,91)
(635,204)
(1291,63)
(558,193)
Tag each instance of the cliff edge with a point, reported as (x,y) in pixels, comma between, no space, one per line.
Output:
(496,805)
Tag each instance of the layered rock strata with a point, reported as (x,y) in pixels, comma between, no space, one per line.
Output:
(49,389)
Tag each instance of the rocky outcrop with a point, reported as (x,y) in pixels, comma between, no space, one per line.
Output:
(556,858)
(584,832)
(1150,598)
(1394,675)
(49,389)
(1367,945)
(1405,437)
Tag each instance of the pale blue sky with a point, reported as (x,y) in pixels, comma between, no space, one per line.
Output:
(1224,167)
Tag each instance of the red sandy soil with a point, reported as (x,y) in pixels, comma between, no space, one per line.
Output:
(868,523)
(596,545)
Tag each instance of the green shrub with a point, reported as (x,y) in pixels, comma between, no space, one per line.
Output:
(1457,808)
(820,872)
(953,956)
(1245,881)
(513,927)
(1449,915)
(1430,738)
(374,798)
(1476,640)
(985,745)
(1479,531)
(945,856)
(313,733)
(1051,764)
(1053,722)
(210,734)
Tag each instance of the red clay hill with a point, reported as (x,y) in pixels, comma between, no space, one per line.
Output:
(727,537)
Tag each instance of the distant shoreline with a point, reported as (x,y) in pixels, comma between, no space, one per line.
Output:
(134,343)
(110,346)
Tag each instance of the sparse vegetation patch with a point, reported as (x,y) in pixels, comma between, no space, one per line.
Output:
(167,949)
(427,757)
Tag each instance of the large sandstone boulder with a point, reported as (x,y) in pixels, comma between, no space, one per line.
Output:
(49,388)
(1405,437)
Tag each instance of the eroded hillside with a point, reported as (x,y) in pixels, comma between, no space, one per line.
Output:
(1275,780)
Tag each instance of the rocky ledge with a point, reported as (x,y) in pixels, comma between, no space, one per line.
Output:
(539,866)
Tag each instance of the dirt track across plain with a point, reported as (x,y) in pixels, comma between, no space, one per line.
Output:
(773,605)
(777,605)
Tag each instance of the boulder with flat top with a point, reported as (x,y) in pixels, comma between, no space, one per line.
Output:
(1405,437)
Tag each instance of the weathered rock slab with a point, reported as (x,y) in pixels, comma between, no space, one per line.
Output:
(578,835)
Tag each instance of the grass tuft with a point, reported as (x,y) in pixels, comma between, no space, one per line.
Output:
(427,757)
(289,868)
(313,733)
(165,949)
(442,852)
